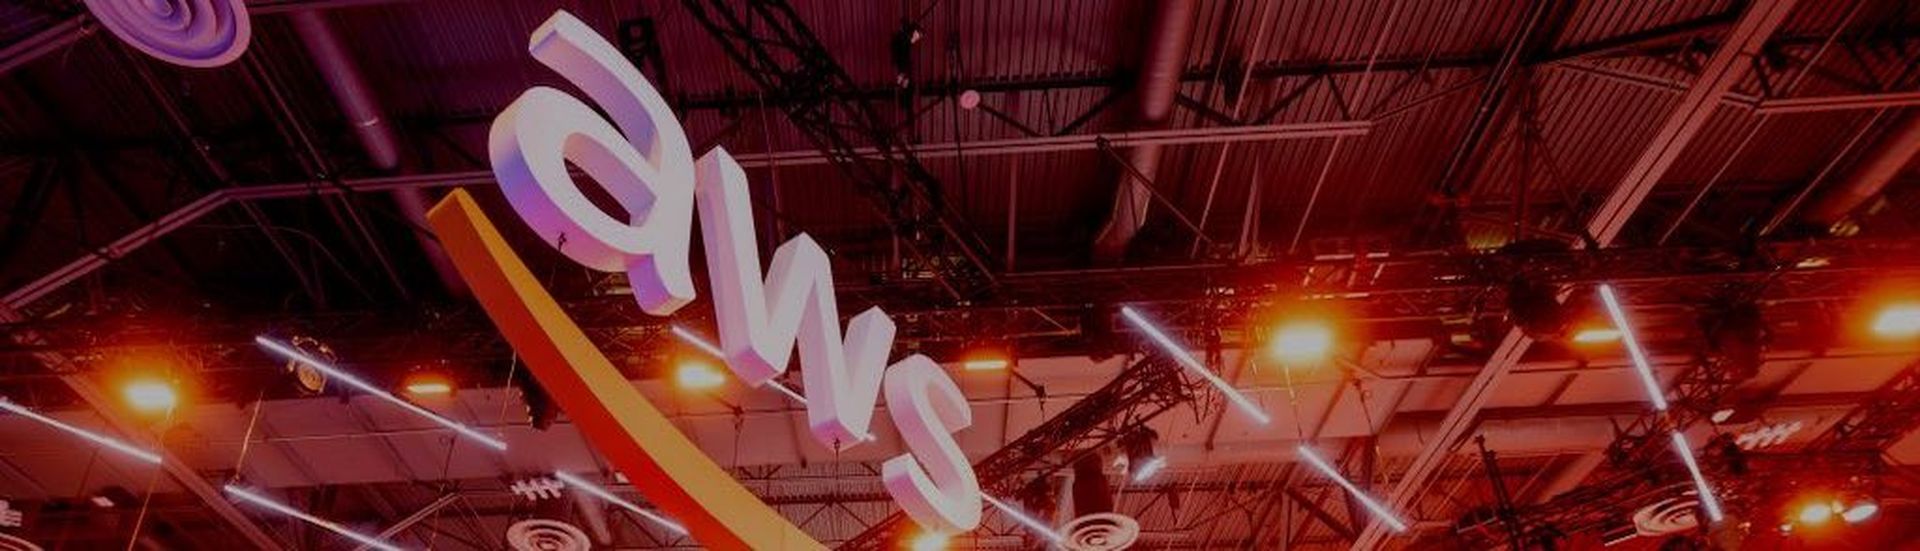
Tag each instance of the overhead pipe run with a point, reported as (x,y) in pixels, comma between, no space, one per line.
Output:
(374,131)
(1877,168)
(1156,87)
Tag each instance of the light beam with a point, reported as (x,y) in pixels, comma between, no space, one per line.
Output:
(581,484)
(110,443)
(355,382)
(1707,501)
(1639,356)
(1365,500)
(1181,355)
(1024,519)
(701,343)
(330,526)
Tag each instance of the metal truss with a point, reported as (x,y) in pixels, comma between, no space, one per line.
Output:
(1149,387)
(1746,481)
(1068,313)
(770,43)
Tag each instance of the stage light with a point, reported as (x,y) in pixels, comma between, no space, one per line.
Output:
(929,541)
(1860,512)
(1186,359)
(1708,502)
(692,338)
(1898,321)
(422,384)
(692,375)
(1815,513)
(1375,507)
(110,443)
(1596,335)
(335,373)
(1301,341)
(328,525)
(149,395)
(985,364)
(1024,519)
(1640,364)
(589,488)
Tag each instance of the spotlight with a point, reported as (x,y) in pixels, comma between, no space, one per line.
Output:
(150,395)
(1898,321)
(1596,335)
(1301,341)
(421,384)
(693,375)
(929,541)
(1815,513)
(1860,512)
(984,364)
(1535,308)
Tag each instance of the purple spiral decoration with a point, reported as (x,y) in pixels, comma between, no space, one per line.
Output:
(194,33)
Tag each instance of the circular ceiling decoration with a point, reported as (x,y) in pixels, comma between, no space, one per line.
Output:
(1100,532)
(1668,516)
(546,535)
(10,543)
(194,33)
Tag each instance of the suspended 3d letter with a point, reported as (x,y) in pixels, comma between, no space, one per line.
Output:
(760,321)
(648,171)
(928,408)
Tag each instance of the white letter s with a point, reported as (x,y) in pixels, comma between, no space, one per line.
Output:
(928,408)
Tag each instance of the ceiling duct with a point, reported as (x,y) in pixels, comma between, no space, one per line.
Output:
(1877,168)
(373,129)
(1162,64)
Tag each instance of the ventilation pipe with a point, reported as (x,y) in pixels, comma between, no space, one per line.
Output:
(1161,67)
(1876,169)
(374,131)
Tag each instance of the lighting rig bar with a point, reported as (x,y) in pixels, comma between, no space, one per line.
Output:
(1148,387)
(775,48)
(1842,452)
(1049,313)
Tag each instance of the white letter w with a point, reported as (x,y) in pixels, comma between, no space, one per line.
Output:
(761,322)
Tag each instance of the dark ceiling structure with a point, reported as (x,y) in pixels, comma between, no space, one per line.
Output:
(1451,180)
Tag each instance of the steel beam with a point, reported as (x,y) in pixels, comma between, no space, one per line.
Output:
(186,215)
(47,41)
(1727,65)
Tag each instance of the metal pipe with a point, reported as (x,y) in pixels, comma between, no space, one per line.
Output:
(373,130)
(1867,178)
(1157,85)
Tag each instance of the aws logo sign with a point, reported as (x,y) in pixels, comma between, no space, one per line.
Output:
(641,160)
